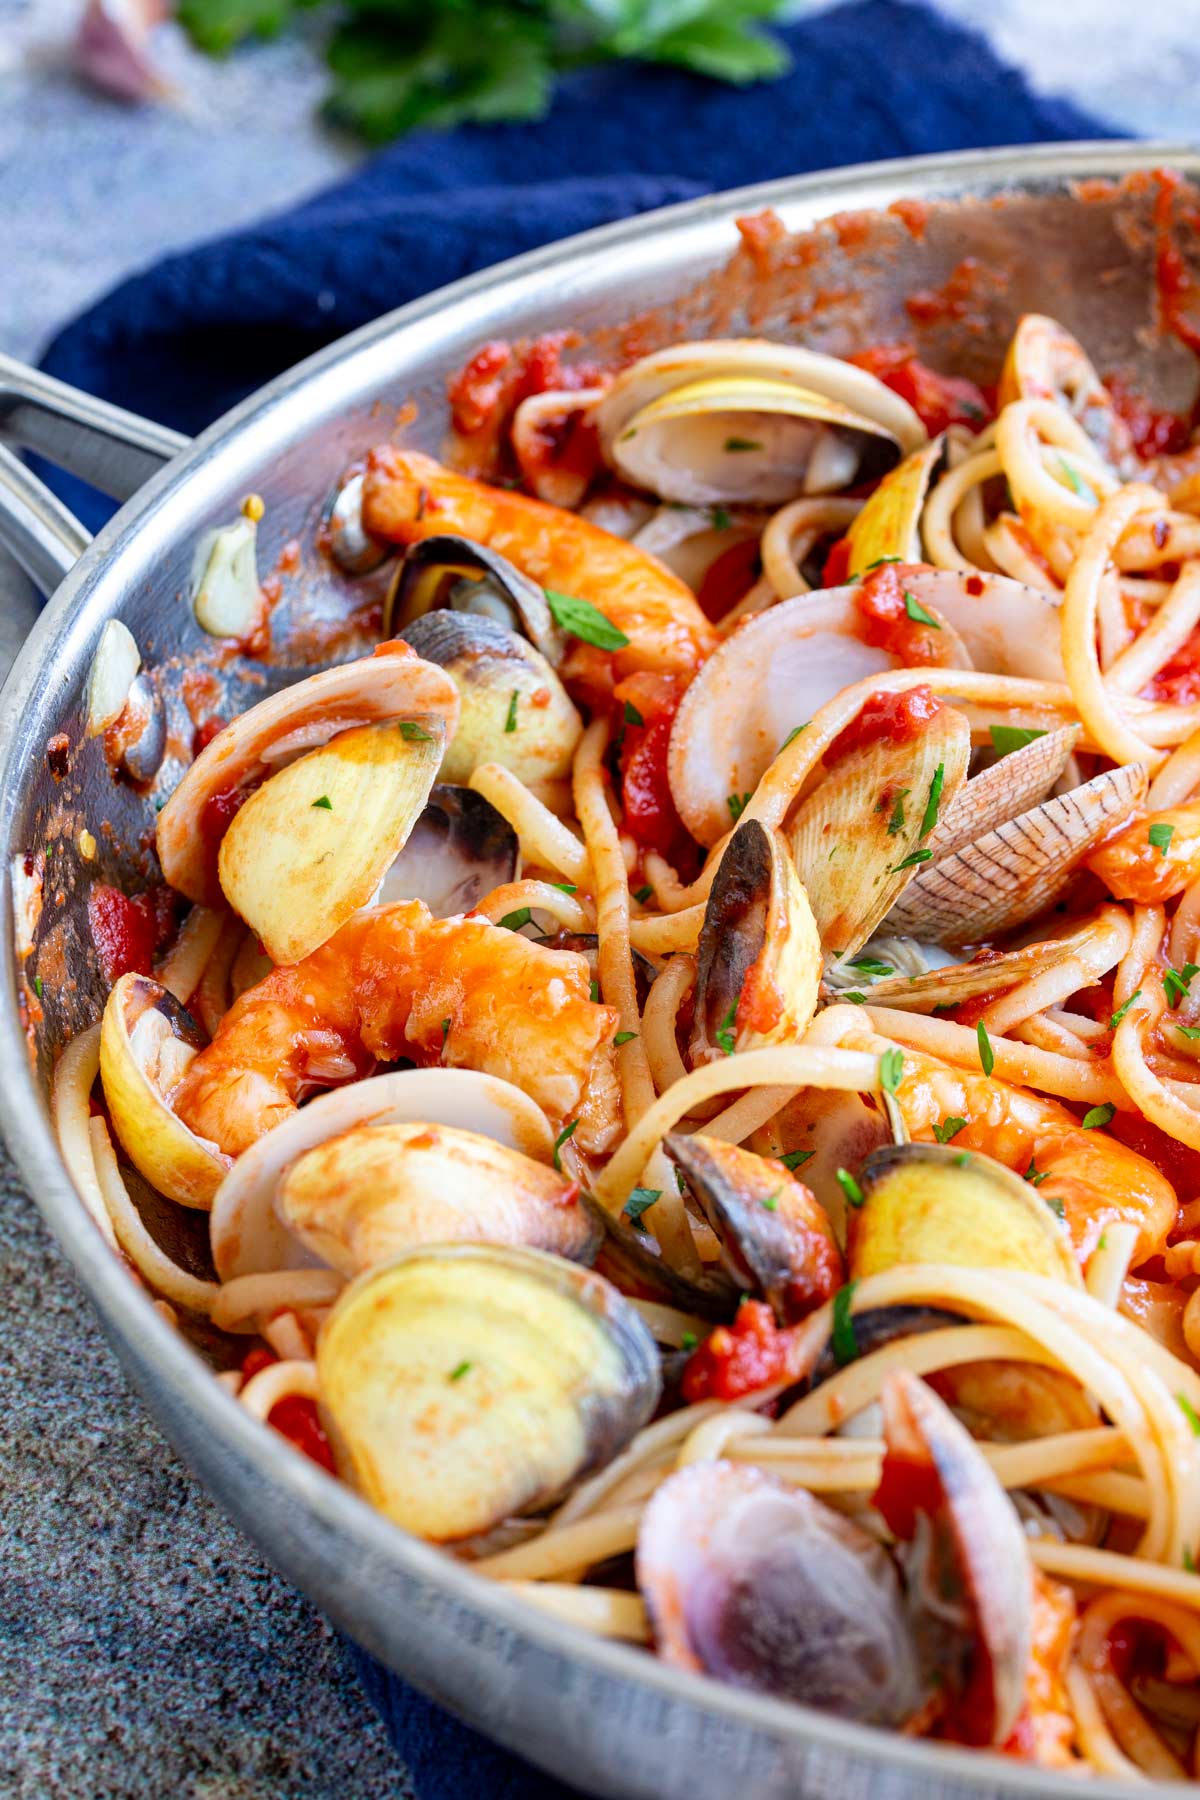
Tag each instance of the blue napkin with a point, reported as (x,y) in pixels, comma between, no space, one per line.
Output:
(187,338)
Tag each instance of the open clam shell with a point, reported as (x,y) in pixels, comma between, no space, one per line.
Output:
(311,845)
(889,525)
(459,849)
(1010,874)
(933,1203)
(631,1258)
(1008,628)
(359,1199)
(759,962)
(768,1589)
(463,1384)
(456,572)
(1044,362)
(246,1233)
(147,1040)
(1004,790)
(955,982)
(775,1239)
(514,710)
(393,687)
(968,1573)
(855,838)
(792,659)
(731,438)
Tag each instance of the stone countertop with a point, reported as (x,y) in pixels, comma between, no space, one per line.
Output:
(145,1648)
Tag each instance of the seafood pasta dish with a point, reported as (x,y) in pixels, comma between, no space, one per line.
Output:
(686,1044)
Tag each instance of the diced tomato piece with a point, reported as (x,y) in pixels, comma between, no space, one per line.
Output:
(938,400)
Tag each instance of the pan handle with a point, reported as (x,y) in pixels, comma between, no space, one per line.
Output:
(112,449)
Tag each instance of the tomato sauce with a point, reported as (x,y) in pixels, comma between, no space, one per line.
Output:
(484,394)
(881,601)
(648,810)
(887,717)
(729,578)
(738,1359)
(1154,431)
(1178,1162)
(129,930)
(937,400)
(294,1417)
(1178,290)
(837,564)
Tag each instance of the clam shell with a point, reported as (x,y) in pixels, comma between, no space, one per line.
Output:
(759,962)
(459,850)
(469,577)
(351,545)
(1010,874)
(246,1233)
(462,1384)
(1008,787)
(731,438)
(514,710)
(1044,362)
(850,861)
(1008,628)
(889,524)
(962,981)
(146,1043)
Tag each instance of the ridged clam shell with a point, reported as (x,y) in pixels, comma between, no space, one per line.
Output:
(1012,873)
(1011,785)
(962,981)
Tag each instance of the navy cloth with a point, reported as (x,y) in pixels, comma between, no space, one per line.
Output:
(186,339)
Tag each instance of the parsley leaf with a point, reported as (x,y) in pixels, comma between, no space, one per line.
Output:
(949,1128)
(740,443)
(639,1202)
(1057,1206)
(1176,983)
(462,1369)
(1160,836)
(513,921)
(38,986)
(870,966)
(891,1069)
(632,715)
(725,1031)
(1122,1010)
(624,1037)
(896,822)
(1098,1116)
(688,1341)
(794,1158)
(914,856)
(566,887)
(791,737)
(510,723)
(1189,1413)
(772,1200)
(1034,1175)
(917,613)
(737,804)
(1007,738)
(325,803)
(720,519)
(412,733)
(842,1337)
(850,1188)
(879,562)
(568,1131)
(584,621)
(642,894)
(987,1056)
(934,800)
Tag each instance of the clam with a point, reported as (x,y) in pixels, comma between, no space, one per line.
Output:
(935,1203)
(759,962)
(967,1569)
(952,983)
(793,658)
(1044,362)
(745,420)
(1011,872)
(459,849)
(361,1198)
(858,839)
(631,1259)
(889,525)
(313,840)
(513,708)
(463,1384)
(147,1041)
(351,545)
(774,1237)
(246,1233)
(1008,627)
(768,1589)
(456,572)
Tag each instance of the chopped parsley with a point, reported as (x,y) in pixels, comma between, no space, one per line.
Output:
(640,1201)
(1122,1010)
(1007,738)
(1160,836)
(412,733)
(584,621)
(1188,1031)
(325,803)
(917,613)
(1189,1413)
(850,1187)
(737,804)
(949,1128)
(568,1131)
(794,1158)
(842,1337)
(1035,1175)
(445,1029)
(513,921)
(891,1068)
(896,822)
(855,998)
(910,861)
(1098,1116)
(510,723)
(987,1056)
(688,1341)
(934,800)
(720,518)
(772,1200)
(870,966)
(566,887)
(1056,1205)
(725,1031)
(38,988)
(879,562)
(791,737)
(643,894)
(740,443)
(624,1037)
(594,992)
(1189,1561)
(632,715)
(1176,983)
(462,1369)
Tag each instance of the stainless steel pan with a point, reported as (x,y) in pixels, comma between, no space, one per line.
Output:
(608,1719)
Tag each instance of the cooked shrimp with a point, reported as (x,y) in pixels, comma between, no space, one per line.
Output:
(395,982)
(407,496)
(1153,858)
(1097,1180)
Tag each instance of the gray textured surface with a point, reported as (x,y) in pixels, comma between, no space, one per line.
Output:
(145,1649)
